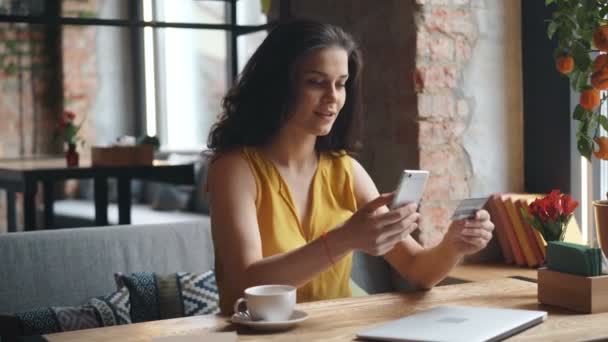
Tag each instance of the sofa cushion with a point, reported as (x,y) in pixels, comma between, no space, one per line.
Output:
(155,296)
(112,309)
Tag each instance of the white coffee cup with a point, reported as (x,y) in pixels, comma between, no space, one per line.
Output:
(268,302)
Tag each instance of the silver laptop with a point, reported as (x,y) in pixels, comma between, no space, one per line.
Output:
(457,323)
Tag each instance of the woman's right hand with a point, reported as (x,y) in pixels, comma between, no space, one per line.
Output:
(376,231)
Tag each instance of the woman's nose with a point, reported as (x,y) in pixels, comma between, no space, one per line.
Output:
(330,94)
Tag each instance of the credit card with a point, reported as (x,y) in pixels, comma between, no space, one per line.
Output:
(468,207)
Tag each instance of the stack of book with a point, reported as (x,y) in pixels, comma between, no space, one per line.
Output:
(521,244)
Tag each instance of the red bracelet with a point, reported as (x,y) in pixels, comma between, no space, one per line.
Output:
(323,237)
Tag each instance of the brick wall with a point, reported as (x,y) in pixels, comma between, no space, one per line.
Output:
(415,111)
(446,35)
(33,92)
(386,34)
(25,107)
(80,68)
(28,100)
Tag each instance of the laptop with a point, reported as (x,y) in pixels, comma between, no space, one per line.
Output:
(457,323)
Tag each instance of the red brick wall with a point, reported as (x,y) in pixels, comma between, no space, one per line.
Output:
(25,114)
(31,89)
(386,33)
(80,68)
(412,124)
(446,34)
(27,104)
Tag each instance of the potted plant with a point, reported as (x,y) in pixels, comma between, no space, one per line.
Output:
(581,31)
(67,130)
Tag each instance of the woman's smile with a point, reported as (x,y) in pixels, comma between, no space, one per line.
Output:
(326,115)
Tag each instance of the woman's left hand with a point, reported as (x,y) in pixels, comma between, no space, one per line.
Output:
(469,236)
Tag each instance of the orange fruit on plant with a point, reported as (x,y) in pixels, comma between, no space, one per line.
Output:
(600,38)
(602,143)
(590,99)
(564,64)
(600,62)
(599,79)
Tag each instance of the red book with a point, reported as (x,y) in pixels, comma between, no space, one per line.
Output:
(501,236)
(505,222)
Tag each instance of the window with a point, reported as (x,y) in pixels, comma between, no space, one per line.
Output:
(141,66)
(187,71)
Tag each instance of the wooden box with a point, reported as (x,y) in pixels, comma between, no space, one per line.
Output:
(577,293)
(122,155)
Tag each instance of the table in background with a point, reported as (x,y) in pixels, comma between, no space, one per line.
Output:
(340,320)
(23,175)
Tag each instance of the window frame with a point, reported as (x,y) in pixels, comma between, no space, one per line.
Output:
(52,17)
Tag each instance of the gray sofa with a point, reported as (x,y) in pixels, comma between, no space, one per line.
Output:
(66,267)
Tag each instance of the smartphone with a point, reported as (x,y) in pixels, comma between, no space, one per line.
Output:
(410,188)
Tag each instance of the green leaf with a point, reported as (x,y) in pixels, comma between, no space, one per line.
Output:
(11,46)
(603,122)
(581,14)
(11,69)
(583,80)
(549,2)
(581,56)
(69,132)
(552,28)
(584,142)
(579,113)
(587,35)
(584,147)
(603,12)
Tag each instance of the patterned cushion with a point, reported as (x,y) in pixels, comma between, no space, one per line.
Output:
(168,296)
(112,309)
(143,293)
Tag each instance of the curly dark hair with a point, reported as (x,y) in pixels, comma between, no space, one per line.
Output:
(257,106)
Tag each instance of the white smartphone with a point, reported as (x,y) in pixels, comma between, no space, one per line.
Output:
(410,188)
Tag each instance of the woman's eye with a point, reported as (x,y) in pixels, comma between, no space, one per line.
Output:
(340,85)
(315,82)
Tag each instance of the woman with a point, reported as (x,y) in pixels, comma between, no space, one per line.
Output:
(289,204)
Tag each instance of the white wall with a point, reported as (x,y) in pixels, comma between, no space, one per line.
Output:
(493,81)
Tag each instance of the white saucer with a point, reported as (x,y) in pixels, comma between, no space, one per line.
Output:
(296,317)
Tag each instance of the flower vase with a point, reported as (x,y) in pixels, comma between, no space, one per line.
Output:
(71,156)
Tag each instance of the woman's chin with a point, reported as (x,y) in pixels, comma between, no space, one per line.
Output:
(323,131)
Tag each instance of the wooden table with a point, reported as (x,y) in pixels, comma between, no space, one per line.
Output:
(340,320)
(23,175)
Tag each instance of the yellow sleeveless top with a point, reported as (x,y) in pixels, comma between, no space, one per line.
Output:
(333,202)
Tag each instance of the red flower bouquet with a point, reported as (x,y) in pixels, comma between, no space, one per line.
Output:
(550,214)
(66,129)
